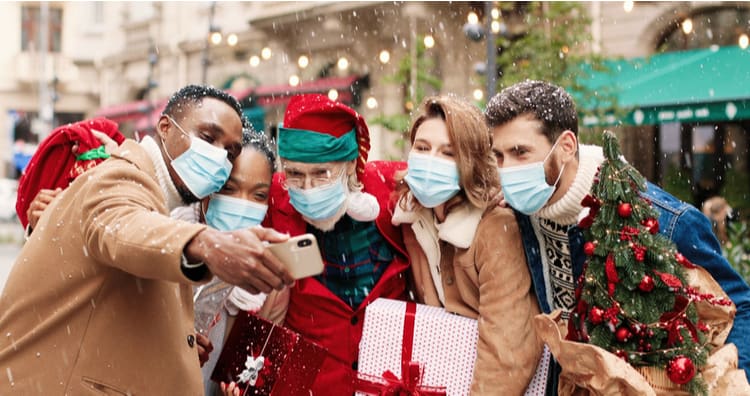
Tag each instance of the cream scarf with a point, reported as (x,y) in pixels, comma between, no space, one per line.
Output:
(173,199)
(566,210)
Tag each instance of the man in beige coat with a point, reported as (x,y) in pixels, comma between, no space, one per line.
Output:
(99,299)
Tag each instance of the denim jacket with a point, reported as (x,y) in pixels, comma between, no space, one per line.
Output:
(691,232)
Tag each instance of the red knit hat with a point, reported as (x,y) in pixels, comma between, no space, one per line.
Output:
(55,165)
(319,114)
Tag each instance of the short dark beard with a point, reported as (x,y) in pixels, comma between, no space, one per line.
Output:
(554,172)
(187,197)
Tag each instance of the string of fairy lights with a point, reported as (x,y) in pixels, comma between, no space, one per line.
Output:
(384,56)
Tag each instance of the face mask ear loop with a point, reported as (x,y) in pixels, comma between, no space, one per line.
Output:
(551,150)
(559,175)
(177,125)
(203,211)
(162,138)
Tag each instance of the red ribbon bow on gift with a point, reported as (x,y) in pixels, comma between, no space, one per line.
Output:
(393,386)
(410,385)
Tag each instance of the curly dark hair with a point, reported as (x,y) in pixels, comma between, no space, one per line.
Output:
(194,94)
(258,140)
(545,102)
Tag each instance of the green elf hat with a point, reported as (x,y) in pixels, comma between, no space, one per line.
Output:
(317,129)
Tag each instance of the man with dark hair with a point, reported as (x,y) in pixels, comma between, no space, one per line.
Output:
(194,94)
(545,174)
(99,299)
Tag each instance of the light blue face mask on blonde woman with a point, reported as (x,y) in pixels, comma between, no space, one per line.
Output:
(227,213)
(204,168)
(525,186)
(432,180)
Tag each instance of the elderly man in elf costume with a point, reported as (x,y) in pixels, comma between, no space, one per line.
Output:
(327,188)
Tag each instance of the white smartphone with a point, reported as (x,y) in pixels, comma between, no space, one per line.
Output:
(300,254)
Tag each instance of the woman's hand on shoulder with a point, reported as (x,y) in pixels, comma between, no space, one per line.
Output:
(499,200)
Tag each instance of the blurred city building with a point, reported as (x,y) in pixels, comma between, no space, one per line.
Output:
(122,60)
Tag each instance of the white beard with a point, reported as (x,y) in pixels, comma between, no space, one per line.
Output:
(328,224)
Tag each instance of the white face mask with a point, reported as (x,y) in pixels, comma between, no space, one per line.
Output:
(525,186)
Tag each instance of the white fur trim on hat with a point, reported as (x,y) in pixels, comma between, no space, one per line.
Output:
(362,206)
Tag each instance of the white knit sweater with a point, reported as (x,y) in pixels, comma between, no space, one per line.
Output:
(162,173)
(566,210)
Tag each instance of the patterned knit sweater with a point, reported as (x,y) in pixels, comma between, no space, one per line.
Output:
(551,226)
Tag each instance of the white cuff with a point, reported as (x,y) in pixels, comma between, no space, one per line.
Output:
(27,232)
(184,262)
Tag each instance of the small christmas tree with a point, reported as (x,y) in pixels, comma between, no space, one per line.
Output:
(633,297)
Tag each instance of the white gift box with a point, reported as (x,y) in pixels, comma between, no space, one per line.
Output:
(444,344)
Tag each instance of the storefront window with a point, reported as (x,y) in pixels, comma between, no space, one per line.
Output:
(30,16)
(717,26)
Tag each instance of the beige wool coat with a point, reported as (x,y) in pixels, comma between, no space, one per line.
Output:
(96,303)
(484,276)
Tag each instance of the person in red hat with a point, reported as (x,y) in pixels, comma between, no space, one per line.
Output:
(66,153)
(327,188)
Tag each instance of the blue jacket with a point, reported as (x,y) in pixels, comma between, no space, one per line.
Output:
(690,230)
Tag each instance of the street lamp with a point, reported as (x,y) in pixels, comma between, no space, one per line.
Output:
(491,52)
(213,34)
(153,59)
(476,32)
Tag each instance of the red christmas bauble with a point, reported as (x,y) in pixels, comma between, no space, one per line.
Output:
(647,283)
(622,354)
(681,370)
(596,316)
(652,225)
(589,248)
(622,334)
(624,209)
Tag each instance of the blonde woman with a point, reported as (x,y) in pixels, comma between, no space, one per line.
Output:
(466,252)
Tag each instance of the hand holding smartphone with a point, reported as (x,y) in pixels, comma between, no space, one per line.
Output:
(300,255)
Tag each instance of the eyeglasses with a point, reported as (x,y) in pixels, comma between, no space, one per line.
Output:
(318,177)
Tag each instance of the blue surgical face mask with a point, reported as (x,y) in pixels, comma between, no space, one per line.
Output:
(525,186)
(227,213)
(319,203)
(204,168)
(432,180)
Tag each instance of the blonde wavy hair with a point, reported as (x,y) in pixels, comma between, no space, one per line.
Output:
(472,144)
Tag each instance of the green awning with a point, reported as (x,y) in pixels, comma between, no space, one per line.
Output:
(704,85)
(256,116)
